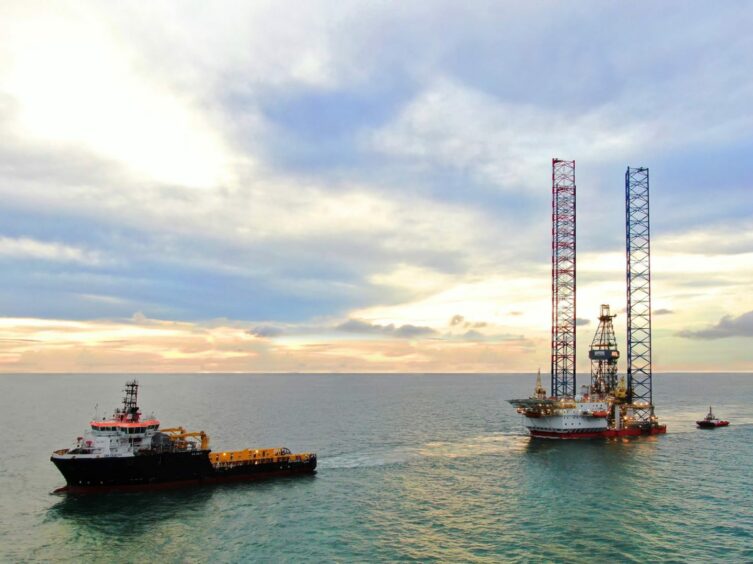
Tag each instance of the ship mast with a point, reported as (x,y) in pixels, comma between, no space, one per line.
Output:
(130,411)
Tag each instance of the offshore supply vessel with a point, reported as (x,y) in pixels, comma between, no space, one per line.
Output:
(128,452)
(608,407)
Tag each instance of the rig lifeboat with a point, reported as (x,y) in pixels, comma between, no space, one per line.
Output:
(711,421)
(601,414)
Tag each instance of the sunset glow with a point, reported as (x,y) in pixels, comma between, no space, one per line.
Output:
(264,192)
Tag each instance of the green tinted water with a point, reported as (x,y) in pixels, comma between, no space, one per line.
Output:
(411,467)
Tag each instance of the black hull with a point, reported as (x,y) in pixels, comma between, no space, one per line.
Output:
(165,470)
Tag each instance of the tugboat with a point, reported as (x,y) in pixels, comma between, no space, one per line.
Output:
(128,452)
(711,421)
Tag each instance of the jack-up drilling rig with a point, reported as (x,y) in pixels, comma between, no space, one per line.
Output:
(610,406)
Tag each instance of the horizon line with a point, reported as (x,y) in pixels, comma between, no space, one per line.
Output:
(313,373)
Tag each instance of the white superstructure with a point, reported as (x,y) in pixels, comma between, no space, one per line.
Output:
(565,417)
(126,434)
(113,438)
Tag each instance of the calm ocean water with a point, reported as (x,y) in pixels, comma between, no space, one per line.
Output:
(411,467)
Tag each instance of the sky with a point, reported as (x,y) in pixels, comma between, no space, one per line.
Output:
(365,186)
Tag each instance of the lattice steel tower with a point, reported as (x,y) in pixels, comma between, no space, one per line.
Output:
(604,355)
(638,293)
(563,278)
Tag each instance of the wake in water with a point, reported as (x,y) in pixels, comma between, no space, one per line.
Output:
(366,459)
(482,445)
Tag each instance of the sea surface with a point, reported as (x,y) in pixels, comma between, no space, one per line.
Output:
(411,467)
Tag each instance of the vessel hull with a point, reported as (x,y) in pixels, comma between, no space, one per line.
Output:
(603,434)
(711,425)
(165,471)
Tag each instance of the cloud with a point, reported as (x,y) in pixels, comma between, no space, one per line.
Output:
(473,335)
(25,248)
(144,344)
(363,327)
(105,103)
(460,320)
(728,326)
(294,156)
(663,311)
(499,141)
(266,331)
(476,336)
(733,236)
(407,331)
(411,331)
(579,321)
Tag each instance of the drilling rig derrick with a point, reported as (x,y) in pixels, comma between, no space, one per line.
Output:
(604,355)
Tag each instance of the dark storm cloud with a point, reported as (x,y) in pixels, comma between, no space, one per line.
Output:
(728,326)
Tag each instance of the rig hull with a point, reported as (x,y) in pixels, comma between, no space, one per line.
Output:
(602,434)
(582,417)
(166,471)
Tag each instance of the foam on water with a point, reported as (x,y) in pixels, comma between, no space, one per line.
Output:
(367,459)
(481,445)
